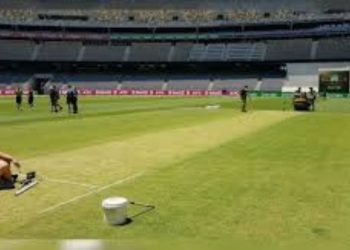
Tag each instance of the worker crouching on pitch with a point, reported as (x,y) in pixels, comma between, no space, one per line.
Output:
(7,179)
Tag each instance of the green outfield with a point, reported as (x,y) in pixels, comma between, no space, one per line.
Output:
(269,177)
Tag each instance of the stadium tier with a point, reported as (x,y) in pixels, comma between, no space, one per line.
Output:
(142,83)
(268,51)
(271,84)
(58,51)
(148,52)
(102,53)
(16,50)
(148,82)
(161,11)
(333,48)
(110,45)
(189,83)
(278,50)
(235,84)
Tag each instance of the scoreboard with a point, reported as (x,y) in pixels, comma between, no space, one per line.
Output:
(334,81)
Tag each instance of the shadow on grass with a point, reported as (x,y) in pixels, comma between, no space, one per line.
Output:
(146,209)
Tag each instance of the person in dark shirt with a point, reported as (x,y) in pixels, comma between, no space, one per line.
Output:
(69,99)
(243,93)
(31,98)
(19,94)
(75,100)
(54,97)
(72,99)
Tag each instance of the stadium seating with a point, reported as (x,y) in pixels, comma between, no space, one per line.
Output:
(181,52)
(16,50)
(297,49)
(188,83)
(231,52)
(333,49)
(141,52)
(147,15)
(271,84)
(234,83)
(106,53)
(59,51)
(150,82)
(89,81)
(142,83)
(5,80)
(198,52)
(246,52)
(19,15)
(271,50)
(215,52)
(210,52)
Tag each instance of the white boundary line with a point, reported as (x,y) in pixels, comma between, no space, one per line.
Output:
(68,182)
(95,191)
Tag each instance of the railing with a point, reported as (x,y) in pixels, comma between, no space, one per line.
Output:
(141,37)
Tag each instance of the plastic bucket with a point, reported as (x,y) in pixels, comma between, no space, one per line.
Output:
(115,210)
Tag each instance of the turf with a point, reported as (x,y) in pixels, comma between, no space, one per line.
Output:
(266,177)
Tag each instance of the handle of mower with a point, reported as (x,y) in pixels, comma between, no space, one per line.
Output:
(141,205)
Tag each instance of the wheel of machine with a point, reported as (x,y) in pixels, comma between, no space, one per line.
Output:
(301,104)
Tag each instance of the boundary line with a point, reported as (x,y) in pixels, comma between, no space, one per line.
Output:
(95,191)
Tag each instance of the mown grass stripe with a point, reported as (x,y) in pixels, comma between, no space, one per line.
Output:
(107,163)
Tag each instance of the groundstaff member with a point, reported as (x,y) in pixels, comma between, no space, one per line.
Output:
(7,179)
(54,98)
(312,98)
(19,94)
(31,98)
(72,100)
(243,93)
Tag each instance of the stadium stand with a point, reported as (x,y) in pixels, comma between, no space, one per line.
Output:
(164,12)
(296,49)
(142,83)
(106,53)
(5,80)
(246,52)
(197,52)
(231,52)
(59,51)
(181,52)
(88,81)
(16,50)
(271,84)
(127,34)
(183,82)
(333,49)
(143,52)
(215,52)
(234,83)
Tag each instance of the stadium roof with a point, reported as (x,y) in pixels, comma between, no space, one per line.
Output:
(267,5)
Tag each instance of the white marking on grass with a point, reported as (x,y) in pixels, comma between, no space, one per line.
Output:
(95,191)
(69,182)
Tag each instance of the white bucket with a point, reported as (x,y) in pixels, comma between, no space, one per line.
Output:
(82,244)
(115,210)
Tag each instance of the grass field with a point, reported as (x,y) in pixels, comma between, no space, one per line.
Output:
(269,178)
